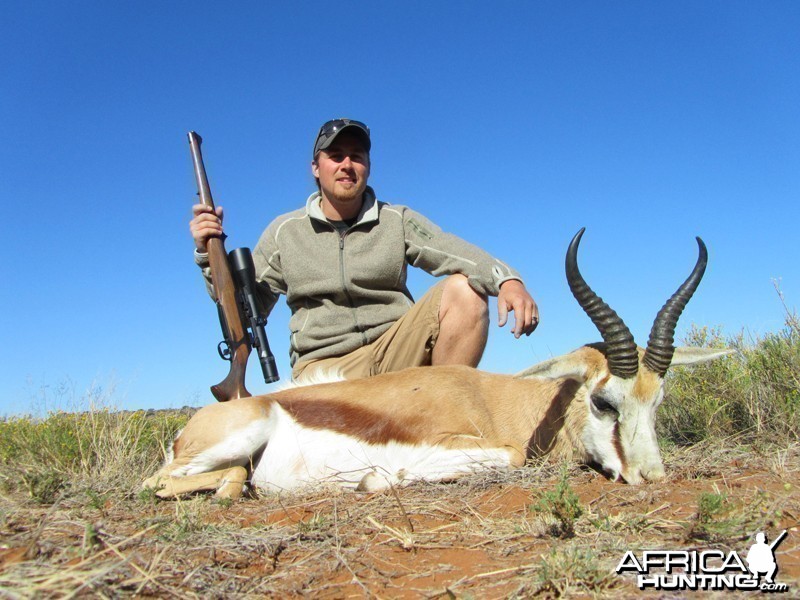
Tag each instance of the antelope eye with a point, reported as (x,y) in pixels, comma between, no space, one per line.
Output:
(603,405)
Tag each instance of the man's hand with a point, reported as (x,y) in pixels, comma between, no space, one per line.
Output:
(514,297)
(205,224)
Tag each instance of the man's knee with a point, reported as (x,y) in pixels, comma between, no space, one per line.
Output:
(463,324)
(458,295)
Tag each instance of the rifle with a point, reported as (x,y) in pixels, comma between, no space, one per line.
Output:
(235,300)
(777,540)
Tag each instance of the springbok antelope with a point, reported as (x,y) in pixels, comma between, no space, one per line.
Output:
(596,404)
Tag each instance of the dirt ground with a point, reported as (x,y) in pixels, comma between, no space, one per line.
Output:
(493,535)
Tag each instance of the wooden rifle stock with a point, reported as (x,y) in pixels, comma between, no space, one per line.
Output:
(236,336)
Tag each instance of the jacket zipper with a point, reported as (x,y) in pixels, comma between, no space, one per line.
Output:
(343,277)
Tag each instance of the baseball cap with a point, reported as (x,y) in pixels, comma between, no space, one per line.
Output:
(330,130)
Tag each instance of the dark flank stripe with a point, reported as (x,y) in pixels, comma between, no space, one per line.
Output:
(544,437)
(367,425)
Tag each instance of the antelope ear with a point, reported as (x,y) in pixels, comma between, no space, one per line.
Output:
(570,366)
(689,355)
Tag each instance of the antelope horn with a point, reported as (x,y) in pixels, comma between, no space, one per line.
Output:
(621,352)
(660,348)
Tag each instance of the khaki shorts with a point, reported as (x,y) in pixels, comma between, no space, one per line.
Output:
(407,343)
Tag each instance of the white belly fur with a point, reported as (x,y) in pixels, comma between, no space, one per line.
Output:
(297,456)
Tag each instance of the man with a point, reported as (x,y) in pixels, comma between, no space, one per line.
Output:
(761,557)
(341,263)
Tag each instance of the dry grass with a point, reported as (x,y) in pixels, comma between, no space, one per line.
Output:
(488,535)
(74,523)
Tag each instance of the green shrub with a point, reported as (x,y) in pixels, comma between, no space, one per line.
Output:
(754,393)
(717,519)
(563,504)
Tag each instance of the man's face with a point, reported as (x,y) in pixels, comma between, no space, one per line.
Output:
(342,169)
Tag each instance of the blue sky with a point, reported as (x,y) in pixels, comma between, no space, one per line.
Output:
(511,124)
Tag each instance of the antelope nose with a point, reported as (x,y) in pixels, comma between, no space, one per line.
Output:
(655,473)
(637,475)
(632,477)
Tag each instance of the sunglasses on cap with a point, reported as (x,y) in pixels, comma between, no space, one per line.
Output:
(329,131)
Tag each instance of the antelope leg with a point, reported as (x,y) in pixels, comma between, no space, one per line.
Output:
(228,483)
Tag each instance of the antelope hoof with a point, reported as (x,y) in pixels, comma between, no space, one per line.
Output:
(232,483)
(156,482)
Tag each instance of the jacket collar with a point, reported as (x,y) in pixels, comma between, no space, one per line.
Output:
(368,213)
